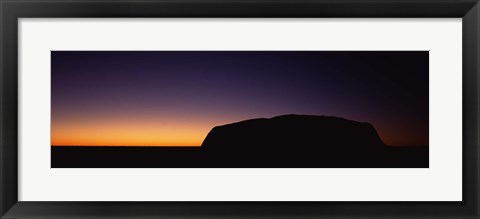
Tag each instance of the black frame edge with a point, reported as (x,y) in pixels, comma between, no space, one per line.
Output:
(8,111)
(240,8)
(471,90)
(11,10)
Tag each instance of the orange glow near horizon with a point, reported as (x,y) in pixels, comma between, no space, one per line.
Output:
(128,133)
(115,130)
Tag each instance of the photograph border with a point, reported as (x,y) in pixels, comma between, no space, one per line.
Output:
(12,10)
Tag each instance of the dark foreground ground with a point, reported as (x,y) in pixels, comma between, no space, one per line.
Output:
(195,157)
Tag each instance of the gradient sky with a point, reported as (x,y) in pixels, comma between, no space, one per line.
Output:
(174,98)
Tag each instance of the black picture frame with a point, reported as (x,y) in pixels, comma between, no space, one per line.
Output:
(11,10)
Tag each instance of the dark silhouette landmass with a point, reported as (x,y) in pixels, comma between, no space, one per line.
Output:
(289,141)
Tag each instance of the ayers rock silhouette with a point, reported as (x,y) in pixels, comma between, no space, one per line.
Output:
(299,141)
(300,131)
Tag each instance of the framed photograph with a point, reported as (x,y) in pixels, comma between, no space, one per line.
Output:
(319,109)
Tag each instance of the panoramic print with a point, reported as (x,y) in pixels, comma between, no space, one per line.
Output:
(239,109)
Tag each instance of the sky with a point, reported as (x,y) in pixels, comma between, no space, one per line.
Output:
(174,98)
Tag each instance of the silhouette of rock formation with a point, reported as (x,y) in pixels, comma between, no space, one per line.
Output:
(296,139)
(293,131)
